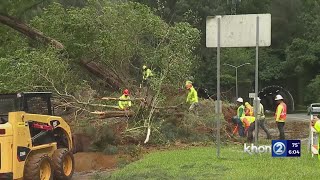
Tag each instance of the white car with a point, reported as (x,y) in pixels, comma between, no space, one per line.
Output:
(314,109)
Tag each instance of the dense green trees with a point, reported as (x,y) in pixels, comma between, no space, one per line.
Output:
(291,62)
(112,39)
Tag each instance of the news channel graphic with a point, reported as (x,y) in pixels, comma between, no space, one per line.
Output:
(286,148)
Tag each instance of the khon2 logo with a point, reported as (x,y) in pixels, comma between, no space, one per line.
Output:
(279,149)
(286,148)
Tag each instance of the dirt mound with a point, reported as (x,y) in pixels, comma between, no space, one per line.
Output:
(81,142)
(90,161)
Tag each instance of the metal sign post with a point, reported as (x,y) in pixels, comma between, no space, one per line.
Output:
(256,101)
(218,88)
(237,31)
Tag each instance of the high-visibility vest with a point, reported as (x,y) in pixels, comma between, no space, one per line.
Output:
(281,112)
(146,74)
(124,104)
(247,120)
(317,126)
(249,110)
(192,96)
(240,114)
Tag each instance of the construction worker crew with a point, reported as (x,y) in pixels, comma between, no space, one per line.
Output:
(248,109)
(124,105)
(281,115)
(192,97)
(236,119)
(147,73)
(261,120)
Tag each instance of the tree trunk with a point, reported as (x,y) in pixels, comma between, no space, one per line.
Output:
(23,28)
(101,71)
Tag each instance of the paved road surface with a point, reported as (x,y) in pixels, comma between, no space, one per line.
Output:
(295,117)
(298,117)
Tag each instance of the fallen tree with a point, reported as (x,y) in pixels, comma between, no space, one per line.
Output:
(26,30)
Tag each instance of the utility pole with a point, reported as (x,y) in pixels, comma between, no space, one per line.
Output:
(236,67)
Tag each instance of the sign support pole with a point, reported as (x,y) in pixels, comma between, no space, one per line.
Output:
(218,104)
(256,101)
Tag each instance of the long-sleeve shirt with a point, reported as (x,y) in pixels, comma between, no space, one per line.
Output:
(240,111)
(146,74)
(124,104)
(192,96)
(261,112)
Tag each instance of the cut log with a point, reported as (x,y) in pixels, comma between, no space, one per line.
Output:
(118,99)
(110,114)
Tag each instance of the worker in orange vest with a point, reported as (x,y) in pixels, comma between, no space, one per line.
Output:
(249,126)
(281,115)
(248,109)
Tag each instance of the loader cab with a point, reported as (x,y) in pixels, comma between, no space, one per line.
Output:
(30,102)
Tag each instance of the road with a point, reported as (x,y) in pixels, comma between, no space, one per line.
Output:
(302,117)
(298,117)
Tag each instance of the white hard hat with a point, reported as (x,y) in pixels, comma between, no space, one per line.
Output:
(240,100)
(278,97)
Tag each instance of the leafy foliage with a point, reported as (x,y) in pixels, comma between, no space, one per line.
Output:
(35,70)
(123,36)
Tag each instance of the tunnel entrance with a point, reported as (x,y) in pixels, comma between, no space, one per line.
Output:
(268,94)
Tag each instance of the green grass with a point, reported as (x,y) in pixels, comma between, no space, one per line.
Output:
(202,163)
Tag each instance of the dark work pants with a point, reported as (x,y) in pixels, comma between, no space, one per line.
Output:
(250,132)
(240,126)
(281,129)
(261,123)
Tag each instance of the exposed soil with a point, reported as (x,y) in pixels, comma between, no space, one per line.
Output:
(87,161)
(89,165)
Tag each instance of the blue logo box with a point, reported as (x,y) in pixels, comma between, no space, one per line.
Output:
(286,148)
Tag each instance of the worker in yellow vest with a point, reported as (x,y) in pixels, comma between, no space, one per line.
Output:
(315,123)
(236,119)
(192,97)
(125,105)
(248,109)
(249,126)
(281,115)
(146,74)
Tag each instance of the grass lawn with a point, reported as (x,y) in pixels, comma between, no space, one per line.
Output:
(201,163)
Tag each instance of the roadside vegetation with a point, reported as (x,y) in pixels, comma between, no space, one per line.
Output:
(202,163)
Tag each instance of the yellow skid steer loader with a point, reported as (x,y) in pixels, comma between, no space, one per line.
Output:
(34,144)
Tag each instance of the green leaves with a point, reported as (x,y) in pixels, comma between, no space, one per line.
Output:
(313,89)
(34,70)
(122,35)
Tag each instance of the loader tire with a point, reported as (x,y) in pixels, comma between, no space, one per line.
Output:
(63,164)
(38,167)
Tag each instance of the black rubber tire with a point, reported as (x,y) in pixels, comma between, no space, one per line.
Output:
(33,164)
(58,158)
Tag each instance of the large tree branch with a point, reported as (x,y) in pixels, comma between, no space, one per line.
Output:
(102,72)
(32,33)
